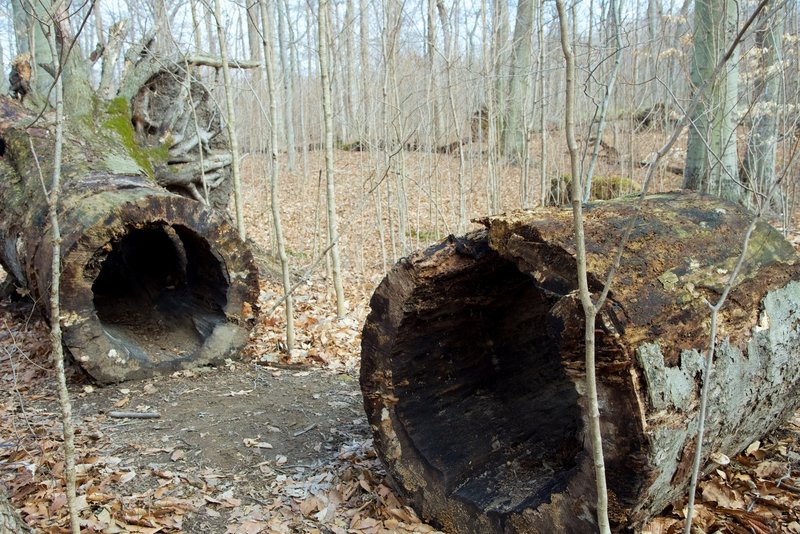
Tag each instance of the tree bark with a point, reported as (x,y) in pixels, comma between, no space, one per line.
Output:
(472,367)
(514,131)
(151,281)
(711,162)
(330,184)
(759,160)
(9,518)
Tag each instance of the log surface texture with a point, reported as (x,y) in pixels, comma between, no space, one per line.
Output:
(151,281)
(473,362)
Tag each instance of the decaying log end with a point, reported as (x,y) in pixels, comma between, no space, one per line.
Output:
(153,285)
(151,281)
(472,363)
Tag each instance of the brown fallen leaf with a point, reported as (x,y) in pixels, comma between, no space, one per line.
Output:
(772,469)
(722,495)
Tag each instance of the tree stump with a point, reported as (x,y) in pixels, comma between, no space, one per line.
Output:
(151,281)
(473,372)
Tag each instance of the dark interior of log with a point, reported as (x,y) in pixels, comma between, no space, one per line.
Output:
(483,396)
(160,291)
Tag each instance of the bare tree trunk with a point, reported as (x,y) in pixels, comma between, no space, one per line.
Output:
(432,100)
(513,133)
(365,70)
(333,230)
(162,30)
(111,53)
(56,341)
(230,123)
(348,68)
(590,308)
(448,58)
(393,134)
(196,33)
(3,79)
(499,50)
(544,183)
(208,19)
(488,116)
(759,160)
(711,164)
(269,61)
(289,69)
(613,16)
(22,26)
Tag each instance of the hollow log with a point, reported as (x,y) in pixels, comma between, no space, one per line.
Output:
(151,281)
(473,372)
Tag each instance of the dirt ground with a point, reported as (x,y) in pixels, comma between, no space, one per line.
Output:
(278,442)
(240,448)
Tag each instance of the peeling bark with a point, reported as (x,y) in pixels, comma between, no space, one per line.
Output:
(473,375)
(151,281)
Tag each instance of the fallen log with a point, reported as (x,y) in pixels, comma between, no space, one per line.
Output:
(151,281)
(473,376)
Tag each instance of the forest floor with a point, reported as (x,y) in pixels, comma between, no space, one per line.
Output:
(277,441)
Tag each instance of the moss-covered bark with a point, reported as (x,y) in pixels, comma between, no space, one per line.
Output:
(151,281)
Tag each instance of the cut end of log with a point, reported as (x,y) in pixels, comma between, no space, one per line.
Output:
(473,369)
(472,403)
(153,285)
(150,281)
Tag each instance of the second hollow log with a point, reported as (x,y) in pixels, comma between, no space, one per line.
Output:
(473,375)
(151,281)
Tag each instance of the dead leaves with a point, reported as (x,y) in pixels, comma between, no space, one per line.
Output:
(346,496)
(754,493)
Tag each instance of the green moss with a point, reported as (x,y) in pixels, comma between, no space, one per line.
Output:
(603,188)
(424,236)
(117,121)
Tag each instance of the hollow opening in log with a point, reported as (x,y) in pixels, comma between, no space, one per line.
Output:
(160,291)
(483,396)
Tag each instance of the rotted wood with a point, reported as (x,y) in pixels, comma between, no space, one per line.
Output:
(172,111)
(472,362)
(151,281)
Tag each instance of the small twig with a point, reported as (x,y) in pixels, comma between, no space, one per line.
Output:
(789,487)
(307,429)
(303,279)
(134,415)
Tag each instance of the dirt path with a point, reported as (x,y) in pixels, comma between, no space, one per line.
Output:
(243,448)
